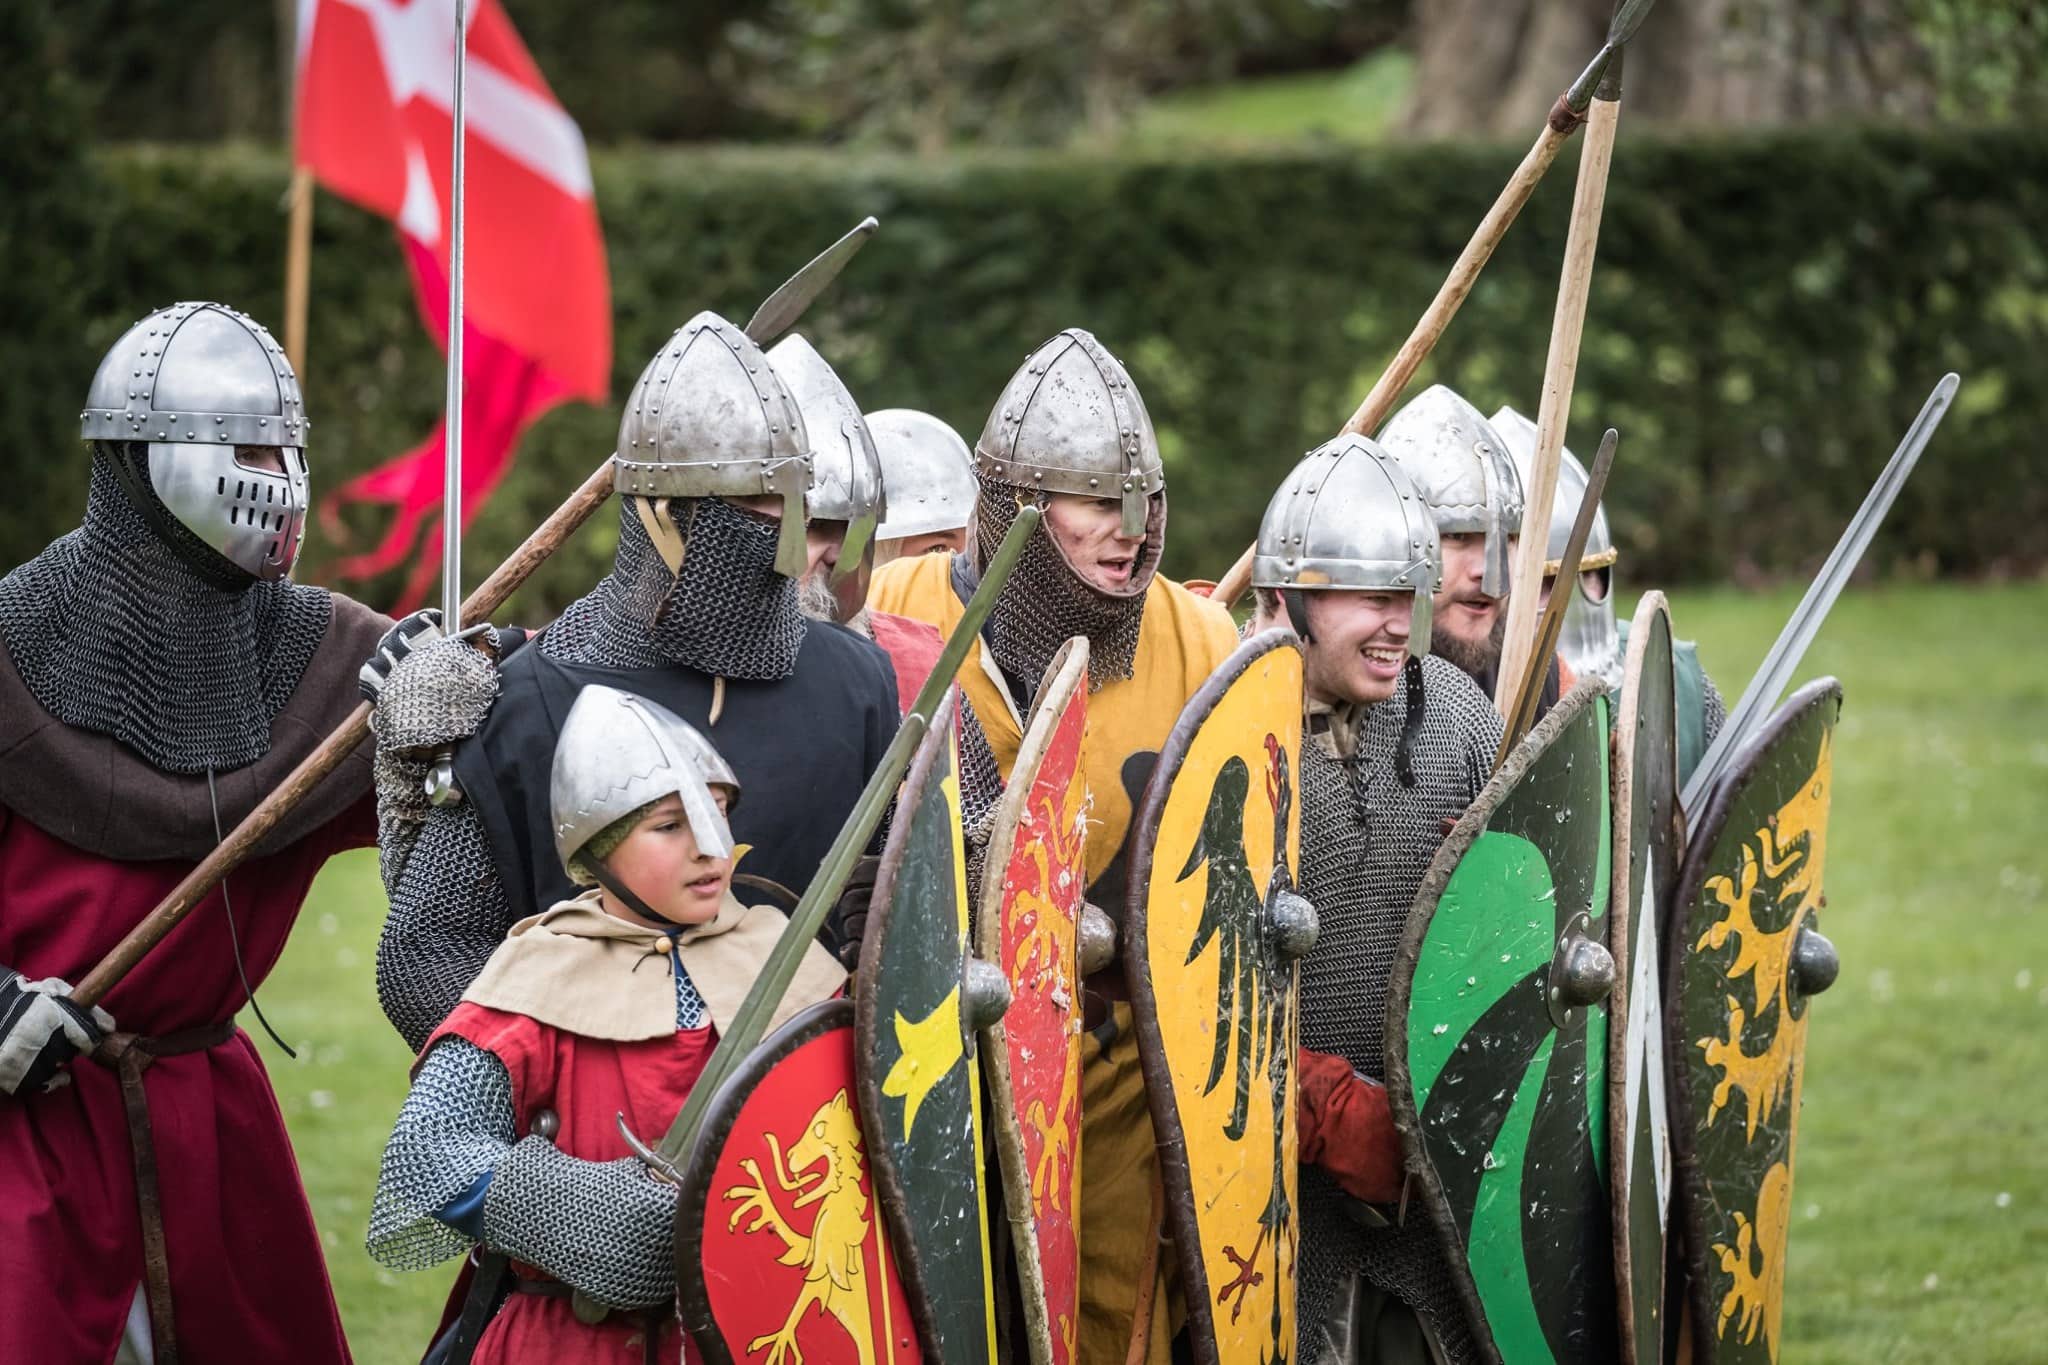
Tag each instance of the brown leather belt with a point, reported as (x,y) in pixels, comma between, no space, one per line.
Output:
(128,1055)
(651,1321)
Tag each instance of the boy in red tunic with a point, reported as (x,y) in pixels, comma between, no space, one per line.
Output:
(605,1005)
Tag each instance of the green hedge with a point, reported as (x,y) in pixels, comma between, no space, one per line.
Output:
(1768,313)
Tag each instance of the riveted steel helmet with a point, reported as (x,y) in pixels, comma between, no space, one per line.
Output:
(1589,641)
(193,382)
(1070,421)
(1348,518)
(1461,467)
(928,472)
(710,417)
(618,752)
(846,471)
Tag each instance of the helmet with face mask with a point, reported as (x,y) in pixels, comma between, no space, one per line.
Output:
(180,394)
(1460,465)
(1069,421)
(928,472)
(1590,642)
(617,753)
(847,473)
(1348,519)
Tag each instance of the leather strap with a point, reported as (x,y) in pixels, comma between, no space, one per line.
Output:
(651,1321)
(128,1055)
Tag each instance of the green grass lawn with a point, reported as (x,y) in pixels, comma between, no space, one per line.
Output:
(1921,1223)
(1356,104)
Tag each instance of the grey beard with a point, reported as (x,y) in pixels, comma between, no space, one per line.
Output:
(814,595)
(1482,660)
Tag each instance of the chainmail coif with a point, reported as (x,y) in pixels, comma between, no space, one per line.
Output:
(1366,840)
(728,613)
(113,631)
(1045,602)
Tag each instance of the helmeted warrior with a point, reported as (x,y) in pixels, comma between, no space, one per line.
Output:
(607,1005)
(1593,643)
(161,675)
(1070,434)
(931,472)
(1460,466)
(699,614)
(1399,741)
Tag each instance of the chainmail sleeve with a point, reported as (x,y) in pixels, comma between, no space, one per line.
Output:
(604,1227)
(456,1124)
(1715,708)
(449,913)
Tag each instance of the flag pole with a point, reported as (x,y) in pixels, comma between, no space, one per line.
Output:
(451,470)
(298,267)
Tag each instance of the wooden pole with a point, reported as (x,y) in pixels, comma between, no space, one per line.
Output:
(298,268)
(242,840)
(1566,328)
(1450,296)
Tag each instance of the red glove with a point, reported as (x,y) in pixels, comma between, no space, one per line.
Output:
(1347,1129)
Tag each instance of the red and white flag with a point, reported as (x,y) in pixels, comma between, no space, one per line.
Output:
(375,81)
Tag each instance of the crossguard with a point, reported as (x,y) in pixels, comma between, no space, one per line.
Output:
(1581,972)
(1292,921)
(658,1166)
(1815,963)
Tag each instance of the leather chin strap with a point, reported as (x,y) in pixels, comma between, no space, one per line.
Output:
(609,880)
(1297,612)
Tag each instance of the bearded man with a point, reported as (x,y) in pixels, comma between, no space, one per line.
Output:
(162,674)
(699,615)
(1070,435)
(1593,642)
(1398,742)
(1460,466)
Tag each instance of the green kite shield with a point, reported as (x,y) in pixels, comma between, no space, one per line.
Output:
(1647,842)
(1029,927)
(1497,1045)
(1213,932)
(1748,956)
(916,1005)
(780,1256)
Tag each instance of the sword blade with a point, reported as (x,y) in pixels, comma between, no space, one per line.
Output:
(781,309)
(1776,670)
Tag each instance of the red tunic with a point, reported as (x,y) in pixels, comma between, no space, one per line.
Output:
(586,1082)
(247,1276)
(913,648)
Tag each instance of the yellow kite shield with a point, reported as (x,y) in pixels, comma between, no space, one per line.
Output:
(1747,958)
(1213,931)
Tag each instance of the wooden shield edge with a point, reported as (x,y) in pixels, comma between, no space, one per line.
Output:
(693,1300)
(932,750)
(1172,1142)
(1719,803)
(1400,987)
(1066,675)
(1620,913)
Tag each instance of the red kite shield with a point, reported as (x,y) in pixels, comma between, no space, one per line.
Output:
(1029,927)
(780,1253)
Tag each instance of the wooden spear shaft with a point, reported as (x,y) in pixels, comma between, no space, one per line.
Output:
(1567,326)
(1394,380)
(243,838)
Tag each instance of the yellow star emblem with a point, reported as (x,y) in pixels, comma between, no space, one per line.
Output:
(931,1048)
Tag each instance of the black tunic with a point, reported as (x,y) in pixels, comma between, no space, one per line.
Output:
(802,747)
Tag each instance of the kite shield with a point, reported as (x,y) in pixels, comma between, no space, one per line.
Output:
(1647,841)
(1497,1045)
(1029,927)
(1748,955)
(918,999)
(779,1254)
(1213,931)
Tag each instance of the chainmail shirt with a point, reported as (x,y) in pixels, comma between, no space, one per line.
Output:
(728,613)
(1366,840)
(1046,603)
(112,631)
(448,914)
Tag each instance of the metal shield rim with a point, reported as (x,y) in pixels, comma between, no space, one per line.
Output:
(1652,613)
(1735,778)
(693,1194)
(1065,678)
(1171,1141)
(867,1022)
(1400,986)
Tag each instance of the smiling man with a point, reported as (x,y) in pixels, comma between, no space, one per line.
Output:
(1461,468)
(1399,741)
(1071,435)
